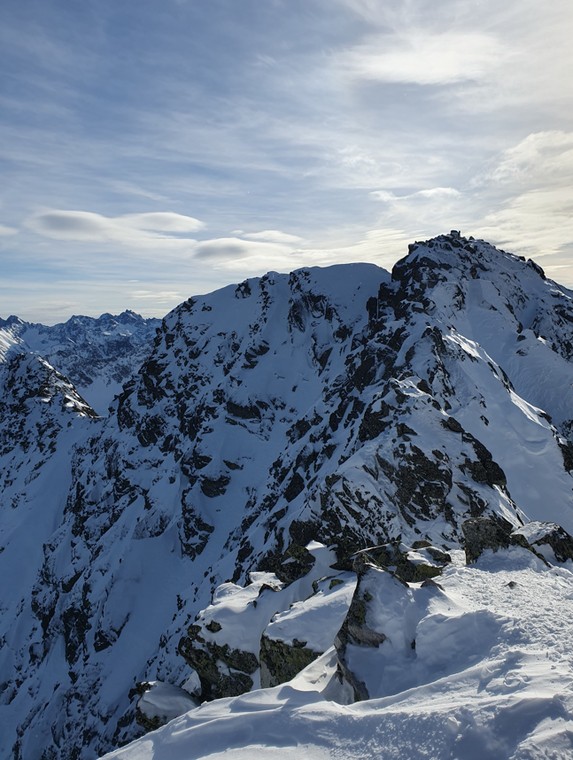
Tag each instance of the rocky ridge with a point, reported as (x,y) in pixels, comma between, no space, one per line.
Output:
(344,406)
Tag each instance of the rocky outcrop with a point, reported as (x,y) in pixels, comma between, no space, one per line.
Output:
(382,609)
(489,533)
(281,660)
(548,541)
(412,564)
(158,703)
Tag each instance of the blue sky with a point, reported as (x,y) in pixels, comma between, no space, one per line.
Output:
(156,149)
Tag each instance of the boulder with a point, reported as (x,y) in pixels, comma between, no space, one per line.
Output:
(548,539)
(491,532)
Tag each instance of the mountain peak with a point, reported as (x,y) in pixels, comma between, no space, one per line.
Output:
(466,253)
(270,433)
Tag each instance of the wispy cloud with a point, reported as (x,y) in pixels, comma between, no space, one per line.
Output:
(231,251)
(430,193)
(271,236)
(531,185)
(416,57)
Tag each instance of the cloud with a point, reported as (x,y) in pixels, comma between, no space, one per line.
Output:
(161,222)
(422,58)
(538,222)
(159,296)
(531,184)
(233,249)
(430,194)
(542,157)
(7,231)
(155,229)
(271,236)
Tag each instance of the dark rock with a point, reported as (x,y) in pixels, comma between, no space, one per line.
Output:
(295,487)
(251,412)
(396,558)
(492,532)
(450,423)
(552,535)
(215,486)
(281,661)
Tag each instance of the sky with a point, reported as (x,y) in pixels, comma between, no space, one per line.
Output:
(157,149)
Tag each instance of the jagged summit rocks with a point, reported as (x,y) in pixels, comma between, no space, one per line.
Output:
(347,406)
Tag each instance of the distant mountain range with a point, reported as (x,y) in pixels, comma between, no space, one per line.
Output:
(257,441)
(97,355)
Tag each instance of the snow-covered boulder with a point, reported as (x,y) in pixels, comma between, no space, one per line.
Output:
(296,637)
(159,703)
(548,539)
(251,636)
(411,564)
(492,532)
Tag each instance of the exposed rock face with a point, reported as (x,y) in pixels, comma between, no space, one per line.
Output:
(258,627)
(383,600)
(345,405)
(483,533)
(298,635)
(410,564)
(363,628)
(224,671)
(546,540)
(281,661)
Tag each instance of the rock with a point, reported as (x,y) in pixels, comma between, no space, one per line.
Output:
(362,630)
(411,565)
(548,536)
(159,703)
(281,661)
(293,564)
(298,635)
(492,532)
(224,671)
(481,533)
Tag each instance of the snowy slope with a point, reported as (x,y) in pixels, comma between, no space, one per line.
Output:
(345,406)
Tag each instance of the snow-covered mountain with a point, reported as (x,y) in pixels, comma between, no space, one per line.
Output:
(97,355)
(274,429)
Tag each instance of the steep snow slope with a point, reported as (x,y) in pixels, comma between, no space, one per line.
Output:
(344,405)
(97,355)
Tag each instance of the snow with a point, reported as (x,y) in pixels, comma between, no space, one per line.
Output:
(118,519)
(164,701)
(491,677)
(317,619)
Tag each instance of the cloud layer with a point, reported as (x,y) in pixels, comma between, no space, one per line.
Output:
(210,140)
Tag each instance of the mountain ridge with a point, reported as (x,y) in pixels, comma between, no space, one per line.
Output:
(347,406)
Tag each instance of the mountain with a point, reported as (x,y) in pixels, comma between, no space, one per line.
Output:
(96,355)
(180,548)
